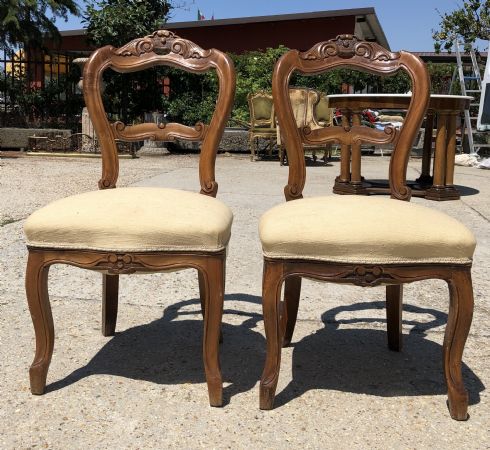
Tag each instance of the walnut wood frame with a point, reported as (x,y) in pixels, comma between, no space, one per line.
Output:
(280,317)
(160,48)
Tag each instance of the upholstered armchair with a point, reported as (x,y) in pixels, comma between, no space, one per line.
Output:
(304,103)
(262,121)
(371,240)
(118,231)
(325,117)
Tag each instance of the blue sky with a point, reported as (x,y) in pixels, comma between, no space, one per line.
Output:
(406,23)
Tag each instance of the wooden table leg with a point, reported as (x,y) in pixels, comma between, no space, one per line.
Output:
(425,177)
(350,179)
(342,182)
(445,149)
(355,177)
(451,193)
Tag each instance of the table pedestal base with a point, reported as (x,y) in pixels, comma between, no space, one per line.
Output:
(349,188)
(442,193)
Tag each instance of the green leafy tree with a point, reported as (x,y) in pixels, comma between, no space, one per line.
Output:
(471,21)
(254,73)
(30,22)
(116,22)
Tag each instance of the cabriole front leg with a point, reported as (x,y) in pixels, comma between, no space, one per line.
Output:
(271,297)
(213,283)
(457,329)
(42,319)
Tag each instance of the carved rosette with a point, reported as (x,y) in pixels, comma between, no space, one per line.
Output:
(163,42)
(119,263)
(347,46)
(367,275)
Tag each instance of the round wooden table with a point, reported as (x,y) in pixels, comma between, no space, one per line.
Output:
(439,185)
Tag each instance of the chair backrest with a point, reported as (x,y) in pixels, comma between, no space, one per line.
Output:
(261,109)
(157,49)
(350,52)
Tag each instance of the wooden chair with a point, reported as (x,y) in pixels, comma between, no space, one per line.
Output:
(262,121)
(138,229)
(371,240)
(304,102)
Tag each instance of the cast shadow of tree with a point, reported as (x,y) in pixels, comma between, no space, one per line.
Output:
(169,350)
(358,360)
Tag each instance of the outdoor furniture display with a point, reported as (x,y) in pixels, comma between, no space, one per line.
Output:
(304,102)
(138,229)
(262,121)
(370,240)
(438,186)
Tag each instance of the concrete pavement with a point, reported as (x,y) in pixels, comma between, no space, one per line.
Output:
(339,386)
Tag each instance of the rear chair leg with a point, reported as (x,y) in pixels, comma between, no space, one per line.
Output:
(251,144)
(110,293)
(292,291)
(457,329)
(394,306)
(42,319)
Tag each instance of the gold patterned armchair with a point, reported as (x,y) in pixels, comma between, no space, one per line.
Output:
(262,121)
(310,109)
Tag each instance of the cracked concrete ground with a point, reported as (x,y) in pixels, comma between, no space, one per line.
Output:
(339,385)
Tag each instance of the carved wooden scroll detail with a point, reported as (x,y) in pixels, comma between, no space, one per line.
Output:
(163,42)
(347,46)
(355,134)
(350,52)
(159,132)
(357,274)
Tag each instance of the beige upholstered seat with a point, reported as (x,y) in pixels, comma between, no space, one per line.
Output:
(348,229)
(132,219)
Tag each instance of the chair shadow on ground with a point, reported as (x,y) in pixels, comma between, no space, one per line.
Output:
(169,350)
(357,360)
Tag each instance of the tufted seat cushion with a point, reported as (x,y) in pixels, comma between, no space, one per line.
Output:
(364,230)
(132,219)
